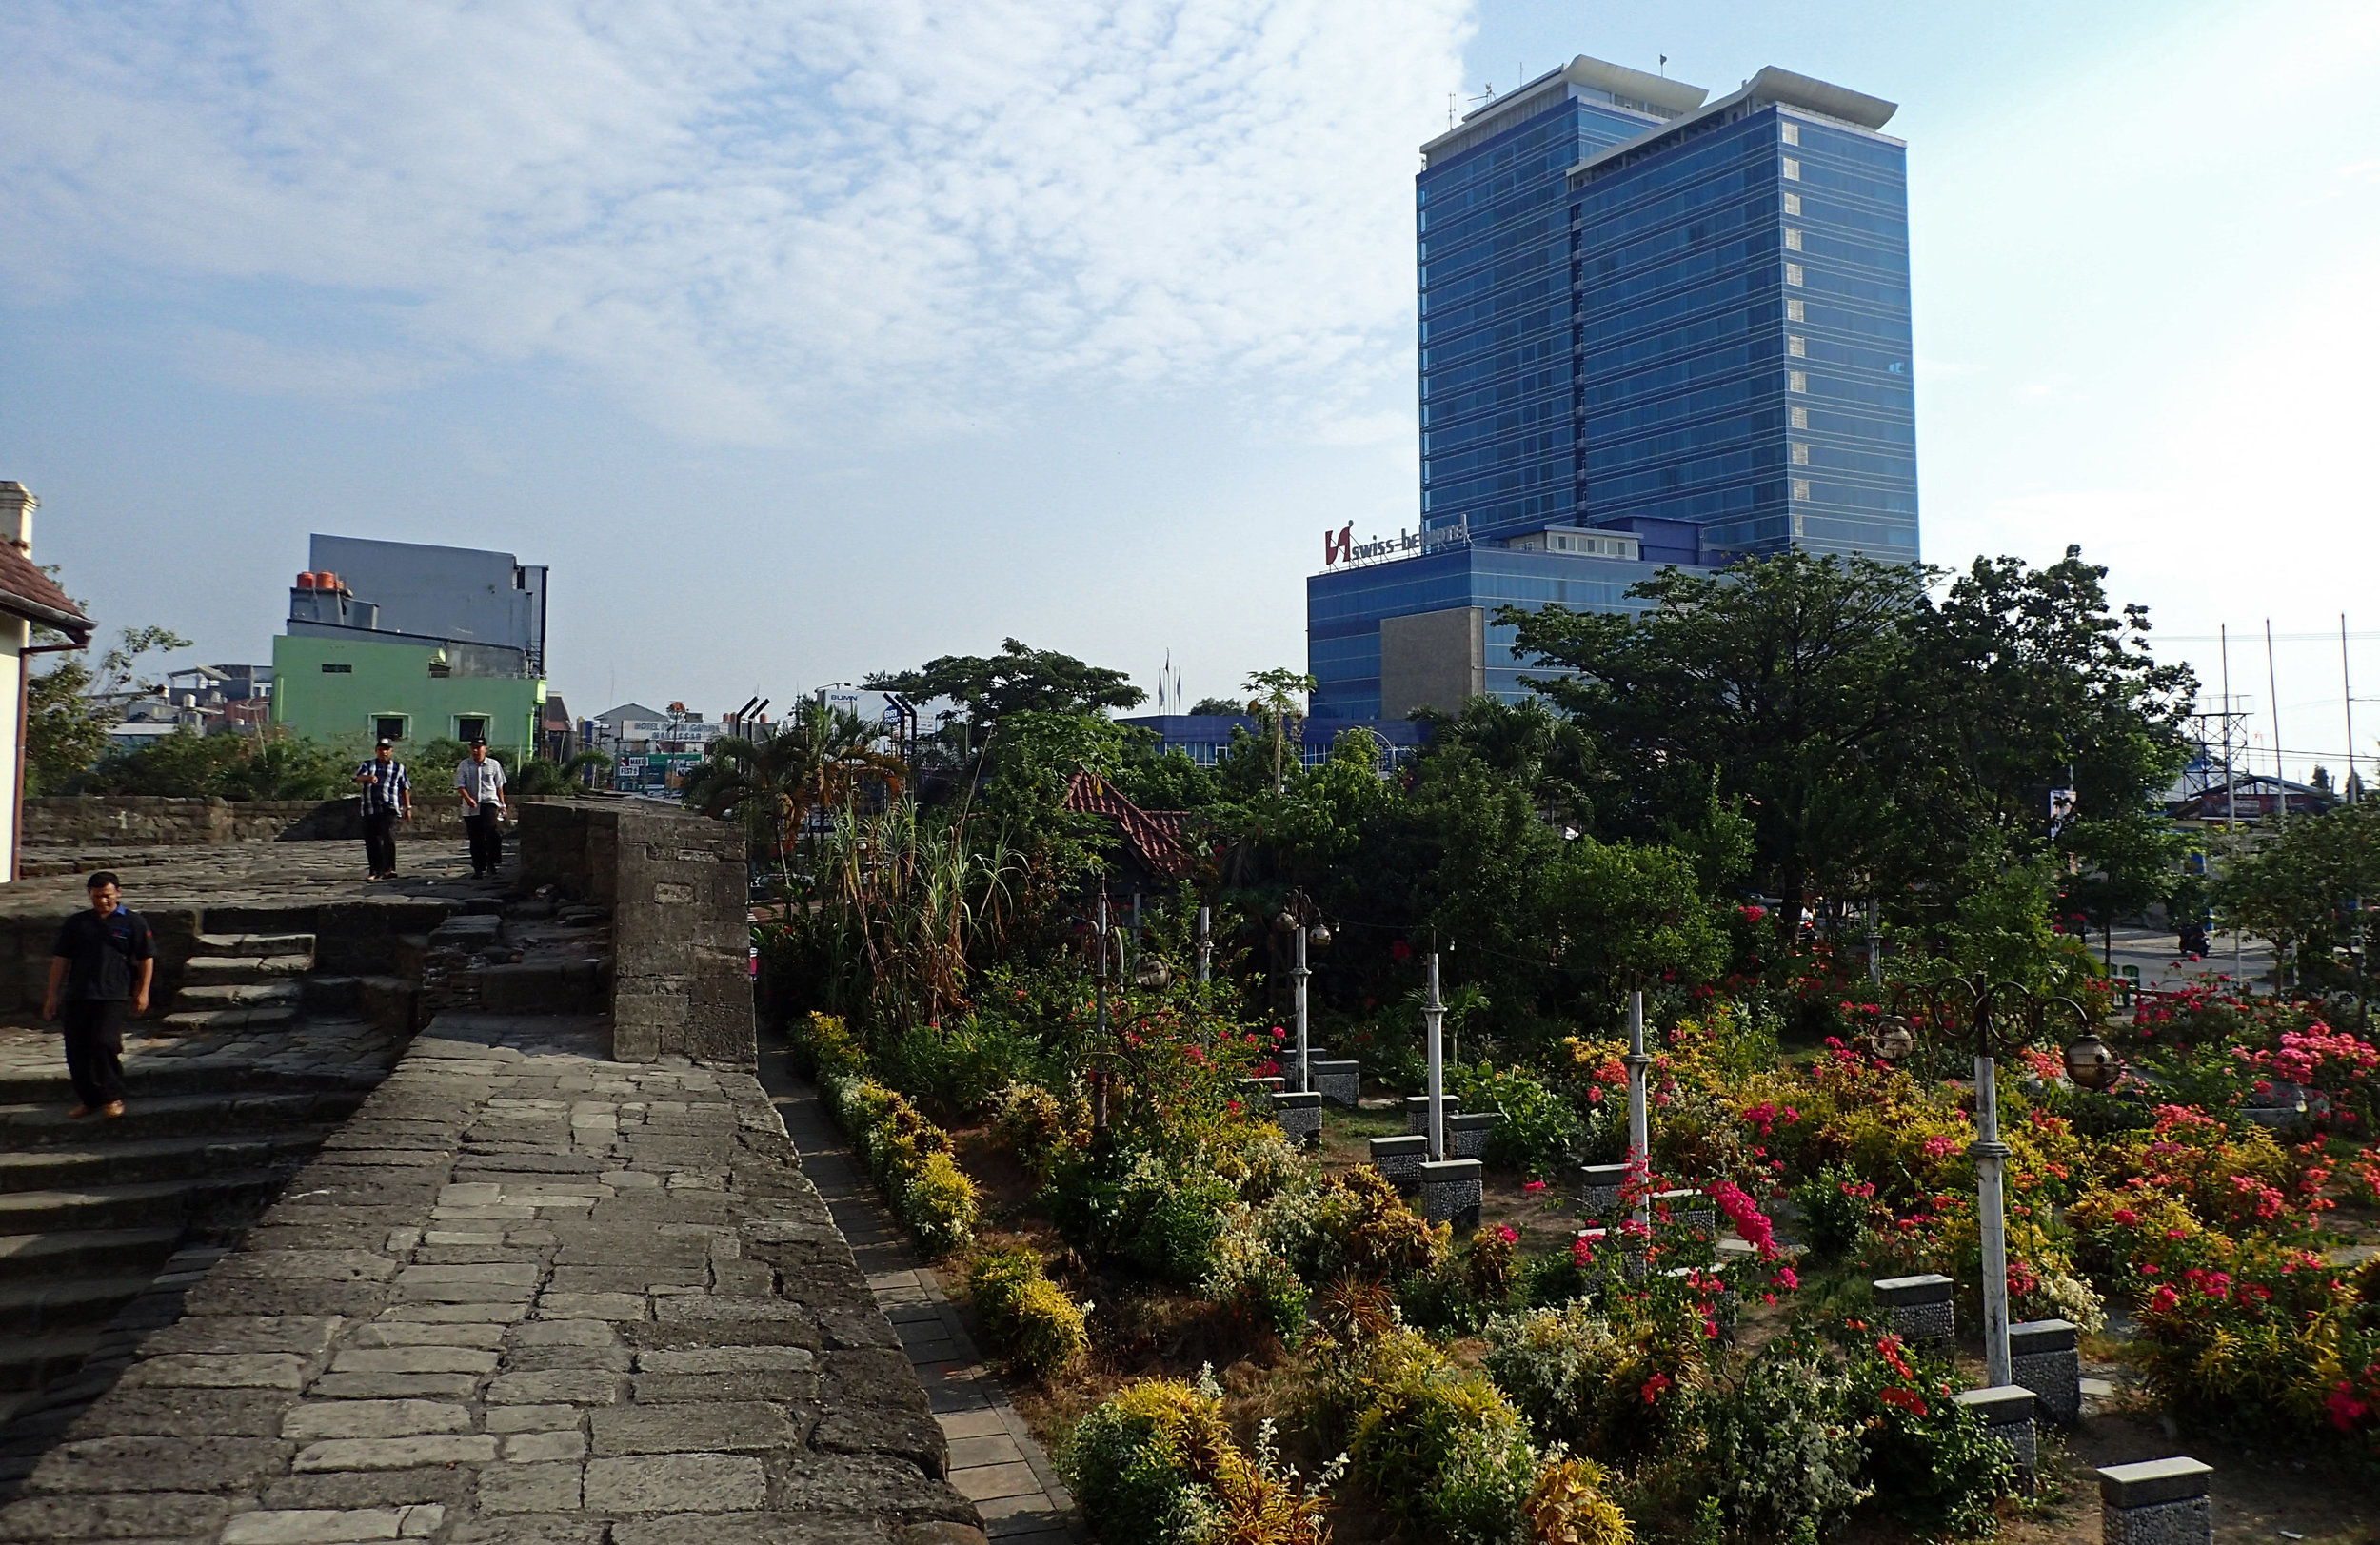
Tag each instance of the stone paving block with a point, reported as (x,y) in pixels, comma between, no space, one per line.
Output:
(373,1419)
(395,1453)
(185,1413)
(159,1464)
(401,1333)
(571,1386)
(530,1488)
(667,1389)
(415,1359)
(563,1333)
(904,1435)
(722,1427)
(985,1483)
(304,1334)
(677,1483)
(763,1528)
(316,1526)
(457,1313)
(160,1516)
(394,1386)
(328,1266)
(726,1359)
(371,1488)
(533,1418)
(800,1482)
(525,1447)
(246,1369)
(590,1306)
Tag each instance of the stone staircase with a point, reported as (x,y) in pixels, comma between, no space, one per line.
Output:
(242,981)
(104,1222)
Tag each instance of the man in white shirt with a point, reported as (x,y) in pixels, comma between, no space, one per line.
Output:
(481,781)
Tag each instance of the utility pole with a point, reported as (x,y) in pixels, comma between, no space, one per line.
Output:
(2231,777)
(1434,1023)
(1640,1138)
(2273,685)
(2347,697)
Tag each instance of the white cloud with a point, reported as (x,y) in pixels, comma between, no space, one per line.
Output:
(739,214)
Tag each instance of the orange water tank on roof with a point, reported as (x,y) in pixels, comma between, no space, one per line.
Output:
(327,581)
(305,582)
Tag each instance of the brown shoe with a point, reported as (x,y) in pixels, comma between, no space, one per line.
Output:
(112,1109)
(78,1113)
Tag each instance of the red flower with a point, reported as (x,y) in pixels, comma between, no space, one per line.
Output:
(1533,1185)
(1654,1386)
(1908,1400)
(1506,1232)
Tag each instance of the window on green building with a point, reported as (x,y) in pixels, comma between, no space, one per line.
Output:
(390,727)
(330,669)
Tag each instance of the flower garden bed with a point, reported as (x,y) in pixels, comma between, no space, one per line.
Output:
(1226,1339)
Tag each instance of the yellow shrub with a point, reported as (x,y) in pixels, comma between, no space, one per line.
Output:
(1568,1507)
(940,1204)
(1027,1316)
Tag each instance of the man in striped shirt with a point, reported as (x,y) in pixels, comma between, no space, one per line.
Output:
(388,797)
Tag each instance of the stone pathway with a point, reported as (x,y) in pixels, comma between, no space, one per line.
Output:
(524,1295)
(994,1458)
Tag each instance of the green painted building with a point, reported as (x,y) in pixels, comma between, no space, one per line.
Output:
(355,690)
(397,641)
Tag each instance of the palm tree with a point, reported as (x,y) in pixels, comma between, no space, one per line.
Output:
(820,760)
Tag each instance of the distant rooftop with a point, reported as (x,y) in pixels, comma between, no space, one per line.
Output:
(1655,95)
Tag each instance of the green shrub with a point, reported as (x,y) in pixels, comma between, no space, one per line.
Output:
(1539,1132)
(1043,1131)
(1928,1459)
(823,1046)
(1155,1465)
(1439,1447)
(1353,1224)
(1030,1321)
(1568,1506)
(959,1068)
(1788,1456)
(940,1204)
(1252,1280)
(1836,1204)
(1178,1226)
(1621,1379)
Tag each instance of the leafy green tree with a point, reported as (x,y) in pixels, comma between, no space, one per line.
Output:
(1792,680)
(1017,679)
(1220,707)
(71,706)
(2304,887)
(1621,911)
(186,764)
(1279,699)
(1552,757)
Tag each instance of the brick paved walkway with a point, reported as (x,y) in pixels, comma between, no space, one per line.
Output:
(994,1458)
(523,1295)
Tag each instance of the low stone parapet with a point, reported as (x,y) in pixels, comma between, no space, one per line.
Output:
(1921,1309)
(2157,1502)
(1400,1158)
(1452,1191)
(2044,1356)
(1467,1135)
(2007,1411)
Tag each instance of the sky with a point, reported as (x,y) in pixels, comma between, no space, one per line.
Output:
(806,340)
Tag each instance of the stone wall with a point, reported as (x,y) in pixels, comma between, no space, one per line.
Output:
(156,820)
(676,887)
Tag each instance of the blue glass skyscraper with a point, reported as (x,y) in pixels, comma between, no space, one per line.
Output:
(1653,328)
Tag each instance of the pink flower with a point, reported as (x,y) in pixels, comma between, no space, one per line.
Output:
(1506,1232)
(1654,1386)
(2126,1217)
(1533,1186)
(1788,1278)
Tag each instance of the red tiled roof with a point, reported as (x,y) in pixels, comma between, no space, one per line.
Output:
(26,591)
(1154,835)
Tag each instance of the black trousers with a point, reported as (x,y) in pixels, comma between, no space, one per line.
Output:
(379,841)
(94,1049)
(487,838)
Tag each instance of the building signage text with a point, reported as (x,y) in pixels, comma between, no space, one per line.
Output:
(1340,546)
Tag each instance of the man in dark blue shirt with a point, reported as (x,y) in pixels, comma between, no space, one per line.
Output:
(387,796)
(99,968)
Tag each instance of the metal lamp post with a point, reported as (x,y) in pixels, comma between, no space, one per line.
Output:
(1639,1133)
(1291,920)
(2003,1017)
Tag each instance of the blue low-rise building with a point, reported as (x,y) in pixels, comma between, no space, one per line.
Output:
(1204,737)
